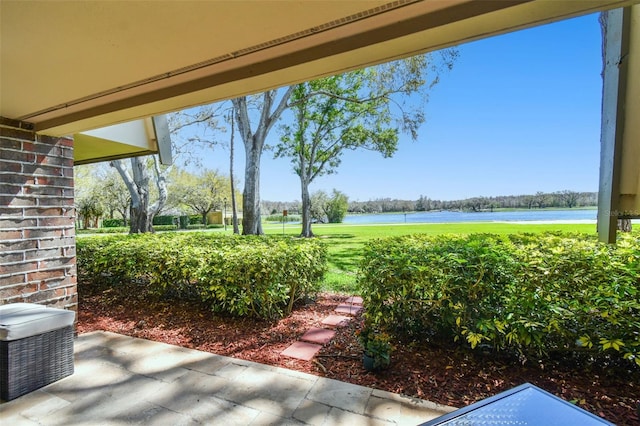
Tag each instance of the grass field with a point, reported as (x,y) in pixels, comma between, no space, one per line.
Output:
(345,242)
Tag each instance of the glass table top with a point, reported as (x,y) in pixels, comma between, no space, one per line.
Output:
(523,405)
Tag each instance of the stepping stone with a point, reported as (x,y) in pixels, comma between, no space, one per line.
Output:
(336,320)
(318,335)
(354,300)
(302,350)
(348,309)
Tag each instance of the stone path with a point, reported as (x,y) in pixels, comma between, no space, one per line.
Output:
(312,341)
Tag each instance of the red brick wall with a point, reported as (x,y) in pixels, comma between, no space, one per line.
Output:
(37,234)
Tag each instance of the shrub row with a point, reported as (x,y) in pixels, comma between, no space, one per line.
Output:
(163,220)
(278,218)
(238,275)
(527,294)
(112,223)
(124,230)
(157,221)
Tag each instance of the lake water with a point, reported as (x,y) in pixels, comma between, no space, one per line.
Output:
(569,216)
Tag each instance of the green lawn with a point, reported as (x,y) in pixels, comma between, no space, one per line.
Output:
(346,241)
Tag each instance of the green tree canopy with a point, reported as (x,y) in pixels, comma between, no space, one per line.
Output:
(199,193)
(362,109)
(337,206)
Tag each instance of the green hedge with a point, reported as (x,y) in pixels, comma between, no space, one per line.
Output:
(238,275)
(112,223)
(288,218)
(122,230)
(117,230)
(527,294)
(163,220)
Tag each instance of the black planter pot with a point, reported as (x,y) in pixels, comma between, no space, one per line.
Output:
(368,362)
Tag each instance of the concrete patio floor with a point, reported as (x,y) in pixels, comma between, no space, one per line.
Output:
(120,380)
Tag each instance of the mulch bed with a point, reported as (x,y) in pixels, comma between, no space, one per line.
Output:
(445,375)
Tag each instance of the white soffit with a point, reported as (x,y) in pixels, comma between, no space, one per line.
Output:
(134,138)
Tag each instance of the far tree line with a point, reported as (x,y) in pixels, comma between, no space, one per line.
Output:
(539,200)
(208,191)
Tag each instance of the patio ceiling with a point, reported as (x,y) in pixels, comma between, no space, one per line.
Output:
(72,66)
(69,67)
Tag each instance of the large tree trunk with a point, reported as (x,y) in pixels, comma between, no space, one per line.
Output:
(306,209)
(161,185)
(234,207)
(253,145)
(140,222)
(251,221)
(137,183)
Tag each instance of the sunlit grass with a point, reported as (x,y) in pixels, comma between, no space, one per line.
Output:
(345,242)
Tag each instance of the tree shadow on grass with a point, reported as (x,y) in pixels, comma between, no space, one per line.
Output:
(346,260)
(337,236)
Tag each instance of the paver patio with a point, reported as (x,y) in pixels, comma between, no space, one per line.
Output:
(120,380)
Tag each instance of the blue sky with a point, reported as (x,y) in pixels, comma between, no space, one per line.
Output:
(519,113)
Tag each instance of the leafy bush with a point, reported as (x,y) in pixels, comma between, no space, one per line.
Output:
(197,226)
(527,294)
(242,276)
(112,223)
(278,218)
(117,230)
(122,230)
(162,228)
(163,220)
(183,222)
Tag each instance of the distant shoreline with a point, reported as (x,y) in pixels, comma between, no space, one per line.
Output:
(496,216)
(501,209)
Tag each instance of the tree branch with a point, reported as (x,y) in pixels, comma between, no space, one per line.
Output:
(305,99)
(128,181)
(242,119)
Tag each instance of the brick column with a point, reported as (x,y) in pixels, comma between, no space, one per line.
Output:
(37,233)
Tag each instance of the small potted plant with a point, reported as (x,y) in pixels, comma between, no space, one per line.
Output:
(376,348)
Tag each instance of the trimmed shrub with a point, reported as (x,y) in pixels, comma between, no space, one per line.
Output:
(527,294)
(122,230)
(163,220)
(118,230)
(162,228)
(238,275)
(183,222)
(112,223)
(278,218)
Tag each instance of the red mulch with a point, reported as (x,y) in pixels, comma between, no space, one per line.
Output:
(444,375)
